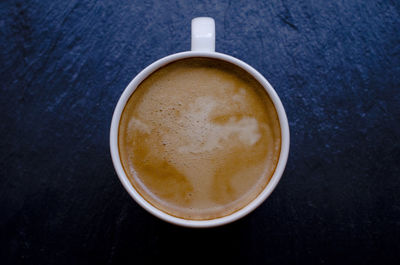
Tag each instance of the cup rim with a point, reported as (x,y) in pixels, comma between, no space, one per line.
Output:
(283,156)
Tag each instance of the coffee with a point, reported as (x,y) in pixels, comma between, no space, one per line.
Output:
(199,138)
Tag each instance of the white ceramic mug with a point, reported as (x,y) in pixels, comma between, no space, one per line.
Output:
(203,45)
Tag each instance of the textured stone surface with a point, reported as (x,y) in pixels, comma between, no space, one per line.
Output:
(335,65)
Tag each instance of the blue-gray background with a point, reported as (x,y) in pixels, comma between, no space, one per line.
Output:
(335,65)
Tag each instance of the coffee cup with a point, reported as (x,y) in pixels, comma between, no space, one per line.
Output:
(203,49)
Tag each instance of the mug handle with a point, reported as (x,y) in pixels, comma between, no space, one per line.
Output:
(203,34)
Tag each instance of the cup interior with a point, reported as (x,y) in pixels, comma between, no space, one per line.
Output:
(199,223)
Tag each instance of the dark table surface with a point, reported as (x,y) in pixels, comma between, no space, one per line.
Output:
(335,65)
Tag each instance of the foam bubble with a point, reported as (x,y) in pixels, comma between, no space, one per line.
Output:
(136,124)
(240,97)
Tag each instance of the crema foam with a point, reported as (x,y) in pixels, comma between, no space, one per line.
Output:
(199,138)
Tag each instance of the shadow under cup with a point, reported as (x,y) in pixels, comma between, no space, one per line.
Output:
(200,139)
